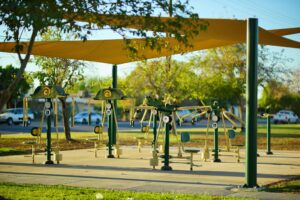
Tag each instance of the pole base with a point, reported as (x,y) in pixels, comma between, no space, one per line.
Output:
(166,168)
(49,162)
(110,156)
(269,153)
(251,186)
(217,160)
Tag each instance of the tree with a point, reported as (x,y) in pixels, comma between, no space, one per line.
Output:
(152,78)
(295,84)
(90,85)
(278,96)
(222,72)
(271,95)
(30,18)
(7,74)
(61,72)
(272,66)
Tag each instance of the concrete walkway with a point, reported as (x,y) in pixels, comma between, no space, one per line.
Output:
(133,172)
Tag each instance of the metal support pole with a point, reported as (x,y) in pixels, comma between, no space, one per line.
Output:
(110,134)
(216,146)
(25,112)
(251,104)
(73,112)
(48,148)
(114,85)
(166,166)
(89,112)
(154,129)
(269,152)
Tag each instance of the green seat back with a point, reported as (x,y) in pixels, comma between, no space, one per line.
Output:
(185,136)
(231,133)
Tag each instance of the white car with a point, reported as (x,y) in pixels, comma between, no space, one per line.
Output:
(15,115)
(285,116)
(83,117)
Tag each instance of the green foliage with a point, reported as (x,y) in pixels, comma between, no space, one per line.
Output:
(278,96)
(28,191)
(7,74)
(222,72)
(295,83)
(156,78)
(93,84)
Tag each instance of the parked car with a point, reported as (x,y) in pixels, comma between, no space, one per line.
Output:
(186,116)
(15,115)
(285,116)
(83,117)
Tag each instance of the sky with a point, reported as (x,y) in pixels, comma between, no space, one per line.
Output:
(271,14)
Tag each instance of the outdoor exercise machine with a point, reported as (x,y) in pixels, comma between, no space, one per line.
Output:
(37,134)
(203,111)
(48,93)
(25,112)
(109,95)
(193,114)
(98,130)
(145,127)
(217,114)
(166,110)
(268,116)
(167,116)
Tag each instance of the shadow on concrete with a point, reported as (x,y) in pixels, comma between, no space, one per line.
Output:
(275,156)
(115,178)
(147,170)
(278,164)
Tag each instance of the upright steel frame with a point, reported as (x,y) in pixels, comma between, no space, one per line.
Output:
(114,102)
(48,147)
(269,152)
(251,104)
(112,124)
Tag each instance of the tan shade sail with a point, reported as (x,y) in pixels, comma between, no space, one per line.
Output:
(288,31)
(220,32)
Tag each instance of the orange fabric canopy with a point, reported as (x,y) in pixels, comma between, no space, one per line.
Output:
(220,32)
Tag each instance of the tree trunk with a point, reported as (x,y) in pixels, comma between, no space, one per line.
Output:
(5,95)
(65,119)
(241,109)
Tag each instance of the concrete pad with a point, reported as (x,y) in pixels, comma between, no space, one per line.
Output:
(133,172)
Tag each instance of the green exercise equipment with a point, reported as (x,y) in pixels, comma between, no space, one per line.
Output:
(98,129)
(48,93)
(36,131)
(110,96)
(231,133)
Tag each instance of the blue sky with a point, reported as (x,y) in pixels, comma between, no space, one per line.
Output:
(272,14)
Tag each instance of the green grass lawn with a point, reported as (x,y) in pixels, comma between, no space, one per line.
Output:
(4,151)
(281,130)
(29,191)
